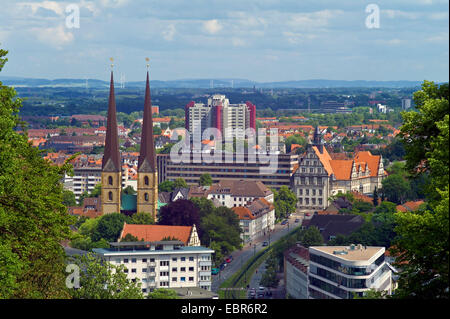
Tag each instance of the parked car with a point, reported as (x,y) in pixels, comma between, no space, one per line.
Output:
(228,260)
(265,244)
(215,271)
(307,214)
(297,220)
(222,266)
(252,293)
(261,292)
(284,222)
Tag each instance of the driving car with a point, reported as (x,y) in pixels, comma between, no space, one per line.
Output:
(265,244)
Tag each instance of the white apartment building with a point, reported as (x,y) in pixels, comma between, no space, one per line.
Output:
(219,113)
(235,193)
(256,219)
(161,264)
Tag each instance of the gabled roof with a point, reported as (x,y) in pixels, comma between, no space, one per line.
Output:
(373,161)
(157,232)
(324,159)
(342,169)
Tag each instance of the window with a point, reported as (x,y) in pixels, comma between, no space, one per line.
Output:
(144,260)
(301,192)
(144,269)
(174,279)
(146,197)
(125,271)
(125,260)
(110,180)
(183,279)
(146,180)
(191,278)
(191,268)
(164,273)
(174,269)
(144,290)
(314,192)
(191,258)
(133,270)
(174,259)
(133,260)
(110,196)
(164,263)
(183,269)
(183,258)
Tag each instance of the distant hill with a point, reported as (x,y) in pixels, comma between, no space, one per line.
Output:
(205,83)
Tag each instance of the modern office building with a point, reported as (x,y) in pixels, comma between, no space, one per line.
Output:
(296,263)
(406,104)
(342,272)
(219,113)
(247,169)
(161,264)
(335,272)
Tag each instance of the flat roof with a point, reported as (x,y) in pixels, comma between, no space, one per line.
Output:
(364,253)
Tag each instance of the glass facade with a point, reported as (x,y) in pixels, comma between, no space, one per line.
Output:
(345,269)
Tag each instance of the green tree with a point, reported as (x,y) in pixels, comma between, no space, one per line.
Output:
(141,219)
(422,245)
(69,198)
(310,237)
(284,202)
(33,218)
(166,186)
(103,280)
(395,188)
(128,238)
(180,183)
(205,180)
(109,227)
(162,293)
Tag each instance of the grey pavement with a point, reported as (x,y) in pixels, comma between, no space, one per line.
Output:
(240,257)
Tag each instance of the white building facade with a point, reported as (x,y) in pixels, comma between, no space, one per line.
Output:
(163,264)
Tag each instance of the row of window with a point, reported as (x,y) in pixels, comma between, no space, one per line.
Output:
(345,269)
(162,262)
(307,201)
(163,273)
(313,192)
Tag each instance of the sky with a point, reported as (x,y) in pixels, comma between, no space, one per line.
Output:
(261,40)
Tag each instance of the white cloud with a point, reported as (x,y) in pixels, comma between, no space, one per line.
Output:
(54,6)
(310,20)
(169,32)
(401,14)
(114,3)
(56,37)
(212,26)
(295,37)
(237,42)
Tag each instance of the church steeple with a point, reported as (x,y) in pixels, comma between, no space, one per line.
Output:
(147,157)
(111,163)
(111,156)
(147,192)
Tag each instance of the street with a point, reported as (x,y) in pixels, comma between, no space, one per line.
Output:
(240,257)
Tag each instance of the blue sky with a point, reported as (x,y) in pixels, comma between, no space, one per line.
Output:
(263,40)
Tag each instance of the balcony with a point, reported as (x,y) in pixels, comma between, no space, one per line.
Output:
(204,263)
(151,264)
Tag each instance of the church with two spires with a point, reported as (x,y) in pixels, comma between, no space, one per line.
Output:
(112,198)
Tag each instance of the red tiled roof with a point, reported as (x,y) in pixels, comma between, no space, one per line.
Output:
(373,161)
(243,212)
(157,232)
(410,206)
(342,169)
